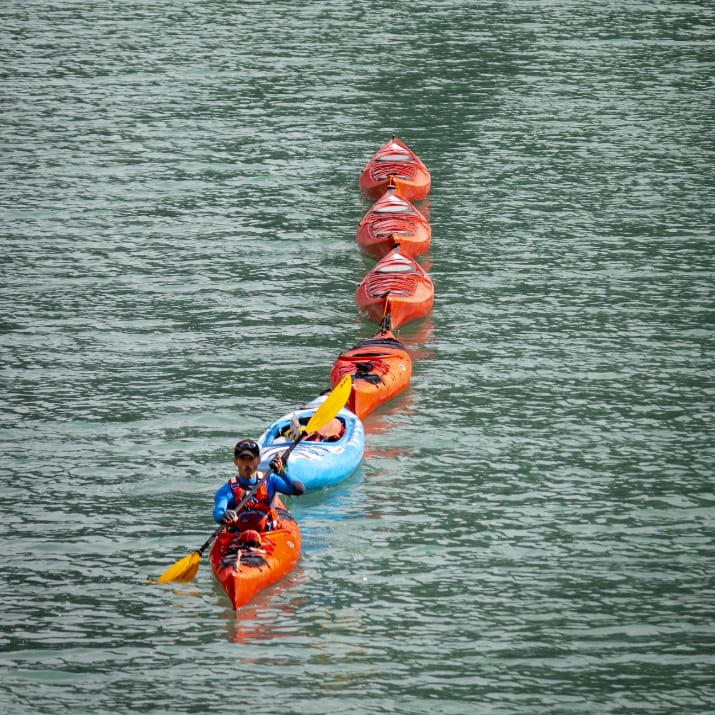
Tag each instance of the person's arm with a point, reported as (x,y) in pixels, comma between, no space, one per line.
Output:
(221,499)
(283,483)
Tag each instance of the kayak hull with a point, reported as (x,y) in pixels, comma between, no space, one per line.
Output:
(397,285)
(381,368)
(244,572)
(318,464)
(395,159)
(393,220)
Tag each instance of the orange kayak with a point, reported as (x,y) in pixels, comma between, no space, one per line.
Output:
(381,368)
(396,159)
(397,286)
(245,569)
(393,219)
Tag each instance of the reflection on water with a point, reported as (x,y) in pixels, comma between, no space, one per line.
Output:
(265,618)
(389,417)
(417,337)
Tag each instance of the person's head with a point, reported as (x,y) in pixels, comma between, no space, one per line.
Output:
(246,457)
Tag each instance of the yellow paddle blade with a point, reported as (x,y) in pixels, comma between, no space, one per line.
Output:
(332,404)
(183,570)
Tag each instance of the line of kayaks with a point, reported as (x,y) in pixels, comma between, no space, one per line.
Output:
(395,291)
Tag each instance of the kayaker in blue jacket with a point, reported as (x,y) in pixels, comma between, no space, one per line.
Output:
(258,513)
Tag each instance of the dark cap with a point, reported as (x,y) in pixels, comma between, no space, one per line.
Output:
(248,448)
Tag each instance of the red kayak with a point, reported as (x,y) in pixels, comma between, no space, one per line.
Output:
(381,368)
(396,159)
(245,563)
(393,219)
(397,286)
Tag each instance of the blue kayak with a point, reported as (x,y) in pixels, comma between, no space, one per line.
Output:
(320,460)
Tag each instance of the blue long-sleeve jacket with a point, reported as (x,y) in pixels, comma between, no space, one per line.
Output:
(223,498)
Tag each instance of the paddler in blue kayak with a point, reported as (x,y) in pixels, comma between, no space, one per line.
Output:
(258,512)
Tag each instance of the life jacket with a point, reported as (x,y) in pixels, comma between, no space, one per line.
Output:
(332,431)
(257,512)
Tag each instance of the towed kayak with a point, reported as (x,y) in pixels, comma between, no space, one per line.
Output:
(381,368)
(395,159)
(397,286)
(330,456)
(245,567)
(393,219)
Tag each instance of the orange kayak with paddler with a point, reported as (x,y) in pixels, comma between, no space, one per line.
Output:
(247,562)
